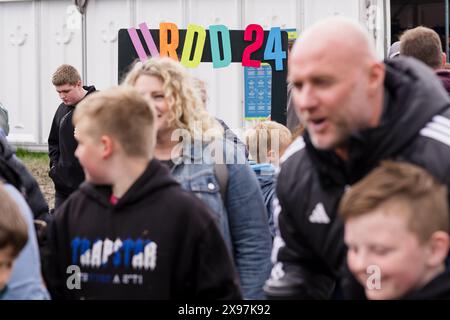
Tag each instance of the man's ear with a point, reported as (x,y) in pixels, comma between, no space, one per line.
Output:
(79,84)
(376,76)
(439,244)
(444,60)
(107,145)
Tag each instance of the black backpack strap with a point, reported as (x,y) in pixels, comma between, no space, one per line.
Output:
(221,172)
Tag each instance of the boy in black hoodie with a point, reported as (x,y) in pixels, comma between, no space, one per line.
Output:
(396,230)
(65,170)
(130,228)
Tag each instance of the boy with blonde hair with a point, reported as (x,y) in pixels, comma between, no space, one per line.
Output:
(266,142)
(396,230)
(130,228)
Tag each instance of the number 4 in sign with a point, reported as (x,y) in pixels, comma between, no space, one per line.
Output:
(272,51)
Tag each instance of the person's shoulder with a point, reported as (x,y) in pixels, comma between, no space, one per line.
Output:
(69,207)
(90,89)
(185,205)
(20,201)
(4,119)
(431,147)
(436,132)
(296,171)
(295,157)
(182,208)
(182,197)
(436,289)
(61,110)
(293,151)
(167,199)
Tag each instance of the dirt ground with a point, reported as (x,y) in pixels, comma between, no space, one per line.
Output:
(38,166)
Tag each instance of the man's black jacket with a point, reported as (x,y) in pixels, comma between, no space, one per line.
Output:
(415,127)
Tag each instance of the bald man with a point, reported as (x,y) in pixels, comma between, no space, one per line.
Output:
(357,111)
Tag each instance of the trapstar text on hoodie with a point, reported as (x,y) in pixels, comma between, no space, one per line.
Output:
(139,254)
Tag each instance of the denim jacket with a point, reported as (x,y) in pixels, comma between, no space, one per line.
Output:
(242,220)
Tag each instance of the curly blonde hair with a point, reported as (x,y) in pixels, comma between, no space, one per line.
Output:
(186,108)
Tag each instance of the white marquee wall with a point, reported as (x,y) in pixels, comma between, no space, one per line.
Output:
(37,36)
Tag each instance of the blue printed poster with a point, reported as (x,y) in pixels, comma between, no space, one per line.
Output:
(258,92)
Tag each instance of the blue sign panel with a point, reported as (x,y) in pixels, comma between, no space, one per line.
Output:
(258,92)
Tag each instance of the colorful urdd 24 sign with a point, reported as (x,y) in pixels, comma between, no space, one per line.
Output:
(253,32)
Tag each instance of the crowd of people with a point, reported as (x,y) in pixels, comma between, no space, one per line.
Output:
(155,198)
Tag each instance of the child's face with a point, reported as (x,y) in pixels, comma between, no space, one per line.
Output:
(6,264)
(89,153)
(385,257)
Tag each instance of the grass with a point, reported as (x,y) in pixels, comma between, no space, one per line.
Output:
(38,164)
(25,154)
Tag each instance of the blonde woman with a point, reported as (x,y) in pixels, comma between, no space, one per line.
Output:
(237,203)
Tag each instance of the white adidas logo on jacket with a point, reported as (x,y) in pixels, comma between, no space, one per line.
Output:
(319,215)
